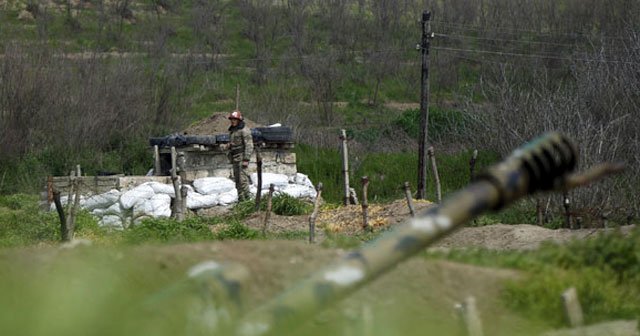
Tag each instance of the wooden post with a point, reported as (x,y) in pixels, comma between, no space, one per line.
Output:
(268,213)
(72,175)
(314,214)
(46,196)
(572,307)
(407,193)
(259,173)
(184,191)
(470,316)
(74,209)
(434,167)
(472,165)
(539,217)
(604,217)
(427,35)
(49,189)
(237,97)
(345,165)
(64,233)
(75,191)
(177,208)
(68,220)
(156,161)
(567,214)
(181,160)
(78,171)
(365,204)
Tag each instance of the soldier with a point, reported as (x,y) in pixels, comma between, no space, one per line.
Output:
(240,150)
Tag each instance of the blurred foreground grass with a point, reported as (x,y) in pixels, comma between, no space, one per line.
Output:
(99,289)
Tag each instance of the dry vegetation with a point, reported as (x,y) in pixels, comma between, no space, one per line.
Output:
(509,71)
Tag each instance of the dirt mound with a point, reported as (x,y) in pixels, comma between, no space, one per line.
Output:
(217,123)
(515,237)
(348,220)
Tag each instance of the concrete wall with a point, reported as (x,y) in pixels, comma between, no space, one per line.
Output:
(101,184)
(208,162)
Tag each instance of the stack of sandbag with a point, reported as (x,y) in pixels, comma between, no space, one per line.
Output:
(119,209)
(297,186)
(212,191)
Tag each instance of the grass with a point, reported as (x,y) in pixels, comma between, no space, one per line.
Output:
(22,223)
(387,172)
(605,271)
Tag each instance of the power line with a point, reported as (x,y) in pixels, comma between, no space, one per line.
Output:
(460,37)
(514,31)
(500,53)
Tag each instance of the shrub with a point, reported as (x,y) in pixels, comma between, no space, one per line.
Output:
(286,205)
(235,230)
(170,230)
(242,210)
(442,123)
(613,253)
(605,270)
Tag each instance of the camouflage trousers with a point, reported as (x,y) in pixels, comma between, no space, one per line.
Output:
(241,178)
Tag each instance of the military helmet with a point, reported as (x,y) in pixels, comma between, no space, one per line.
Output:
(235,115)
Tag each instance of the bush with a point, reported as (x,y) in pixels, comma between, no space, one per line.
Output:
(600,295)
(613,253)
(443,123)
(286,205)
(605,270)
(242,210)
(236,231)
(170,230)
(21,222)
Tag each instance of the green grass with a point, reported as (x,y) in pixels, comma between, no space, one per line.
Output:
(130,157)
(22,223)
(442,122)
(387,172)
(605,271)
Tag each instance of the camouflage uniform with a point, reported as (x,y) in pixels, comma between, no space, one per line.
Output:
(240,149)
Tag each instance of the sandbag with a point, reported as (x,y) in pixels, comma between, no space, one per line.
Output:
(278,180)
(303,179)
(136,195)
(162,188)
(157,206)
(111,221)
(64,200)
(101,201)
(213,185)
(228,197)
(299,191)
(199,201)
(115,209)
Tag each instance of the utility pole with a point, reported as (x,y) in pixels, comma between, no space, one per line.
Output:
(427,35)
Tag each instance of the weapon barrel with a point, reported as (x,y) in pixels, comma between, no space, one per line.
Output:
(539,165)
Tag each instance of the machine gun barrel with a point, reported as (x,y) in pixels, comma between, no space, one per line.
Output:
(543,164)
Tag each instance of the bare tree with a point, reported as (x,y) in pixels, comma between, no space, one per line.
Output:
(263,27)
(323,79)
(209,24)
(297,15)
